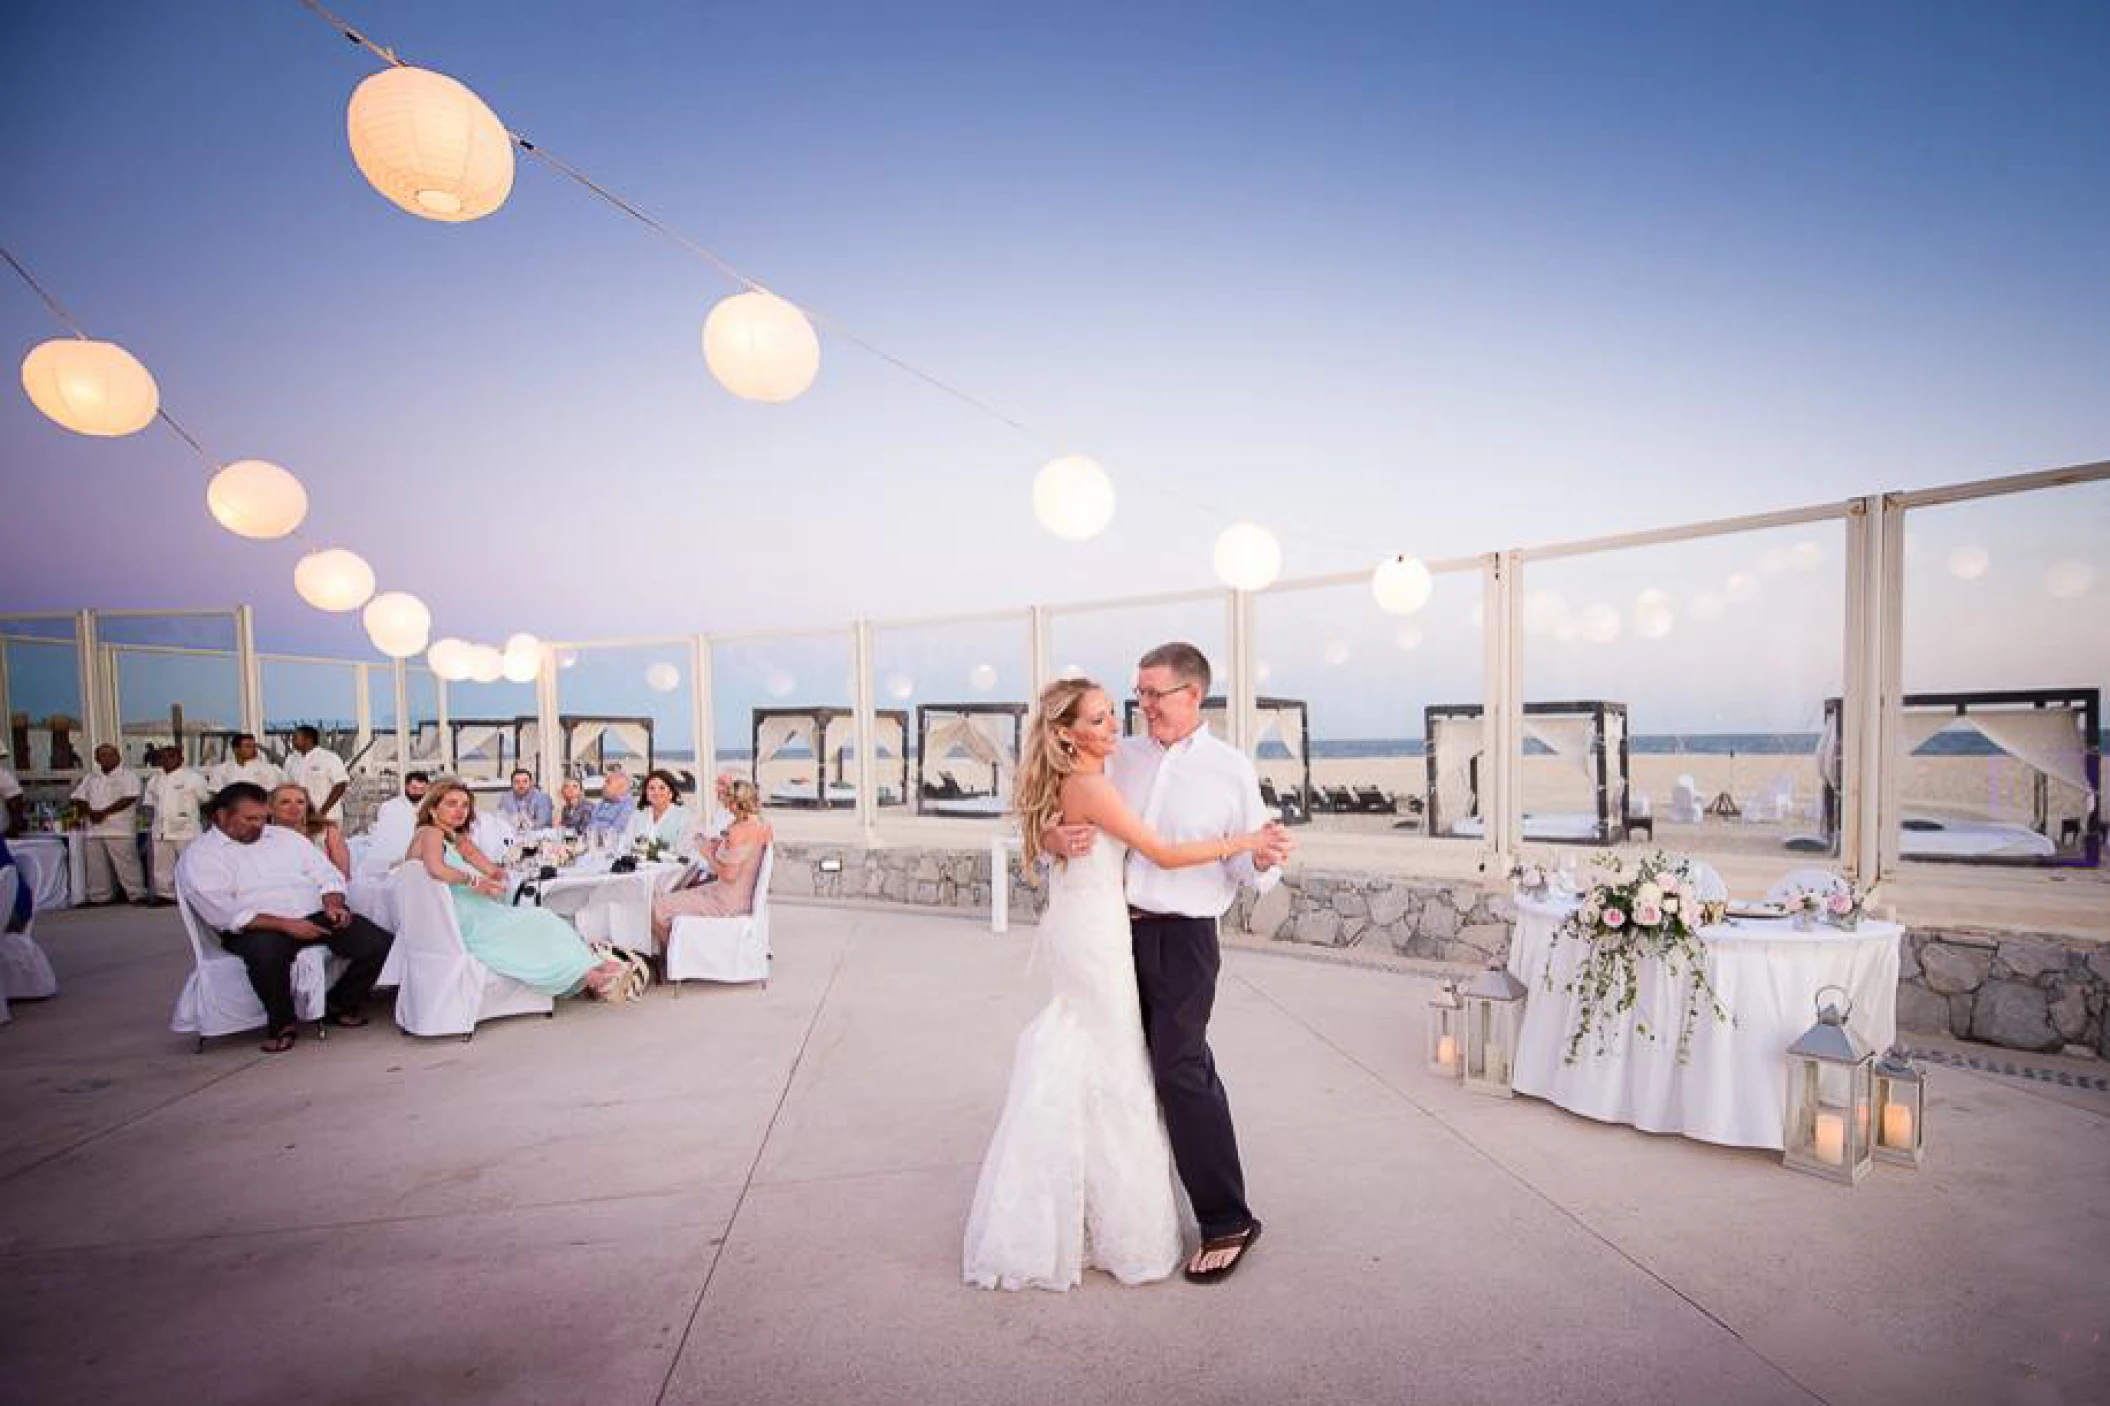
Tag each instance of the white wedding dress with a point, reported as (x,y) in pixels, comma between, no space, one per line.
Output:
(1079,1173)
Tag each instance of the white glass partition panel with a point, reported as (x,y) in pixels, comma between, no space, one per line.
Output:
(2006,657)
(1342,692)
(782,706)
(493,725)
(172,678)
(45,717)
(421,689)
(1104,642)
(631,705)
(955,695)
(1677,694)
(317,693)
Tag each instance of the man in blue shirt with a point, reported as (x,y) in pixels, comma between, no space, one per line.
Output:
(526,806)
(612,812)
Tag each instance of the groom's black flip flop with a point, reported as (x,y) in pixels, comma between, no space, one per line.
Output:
(1242,1242)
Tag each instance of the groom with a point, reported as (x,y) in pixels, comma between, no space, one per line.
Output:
(1187,785)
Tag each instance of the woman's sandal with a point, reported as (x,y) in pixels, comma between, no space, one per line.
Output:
(1240,1245)
(638,979)
(282,1041)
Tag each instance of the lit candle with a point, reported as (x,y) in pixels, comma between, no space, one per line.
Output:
(1861,1123)
(1447,1052)
(1897,1125)
(1831,1139)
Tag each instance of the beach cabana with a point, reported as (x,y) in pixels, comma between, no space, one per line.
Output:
(1590,735)
(586,738)
(979,740)
(828,735)
(2055,732)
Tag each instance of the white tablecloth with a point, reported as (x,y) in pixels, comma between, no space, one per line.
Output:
(1733,1088)
(605,907)
(55,867)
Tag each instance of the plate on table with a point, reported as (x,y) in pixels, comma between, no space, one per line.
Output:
(1757,910)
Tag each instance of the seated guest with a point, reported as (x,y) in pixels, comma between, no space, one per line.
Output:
(721,815)
(736,856)
(533,946)
(662,817)
(393,825)
(320,770)
(574,811)
(290,809)
(15,818)
(526,805)
(248,765)
(611,813)
(269,893)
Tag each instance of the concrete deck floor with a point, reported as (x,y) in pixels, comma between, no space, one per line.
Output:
(748,1196)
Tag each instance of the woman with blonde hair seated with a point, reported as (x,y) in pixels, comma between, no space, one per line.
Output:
(735,856)
(292,808)
(533,946)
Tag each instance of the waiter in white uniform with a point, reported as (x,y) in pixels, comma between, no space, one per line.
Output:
(109,799)
(319,771)
(177,795)
(248,765)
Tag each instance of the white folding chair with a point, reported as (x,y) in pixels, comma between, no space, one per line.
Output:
(441,988)
(218,999)
(1685,802)
(732,949)
(1818,881)
(25,972)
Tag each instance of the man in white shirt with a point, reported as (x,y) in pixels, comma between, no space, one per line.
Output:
(1187,785)
(269,892)
(247,765)
(319,771)
(721,817)
(177,796)
(108,798)
(397,820)
(14,810)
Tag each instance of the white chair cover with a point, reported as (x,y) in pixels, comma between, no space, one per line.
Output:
(25,972)
(1822,881)
(1707,880)
(725,949)
(441,988)
(218,999)
(1685,806)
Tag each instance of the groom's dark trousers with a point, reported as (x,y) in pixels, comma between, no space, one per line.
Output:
(1176,964)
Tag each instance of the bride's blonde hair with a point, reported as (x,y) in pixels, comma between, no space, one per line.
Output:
(1046,761)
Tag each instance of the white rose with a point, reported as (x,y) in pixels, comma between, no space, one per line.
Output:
(1648,893)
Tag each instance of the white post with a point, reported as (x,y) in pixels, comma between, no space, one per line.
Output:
(549,745)
(399,676)
(1037,627)
(1503,712)
(89,665)
(704,720)
(252,671)
(362,711)
(999,883)
(1879,809)
(439,690)
(1239,692)
(863,730)
(1861,701)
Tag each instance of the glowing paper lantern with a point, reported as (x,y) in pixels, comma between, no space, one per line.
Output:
(1248,558)
(1600,624)
(662,678)
(761,347)
(1741,586)
(1263,671)
(1073,497)
(2068,580)
(521,660)
(251,498)
(1653,619)
(1401,585)
(1545,611)
(1409,637)
(1968,563)
(398,623)
(95,388)
(982,677)
(900,687)
(449,659)
(334,579)
(430,145)
(486,664)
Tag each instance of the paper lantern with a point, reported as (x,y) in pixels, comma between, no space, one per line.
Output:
(95,388)
(398,623)
(334,579)
(761,347)
(982,677)
(1248,558)
(1402,585)
(662,678)
(2068,580)
(251,498)
(1073,497)
(1263,671)
(1741,586)
(900,687)
(449,659)
(1545,611)
(521,660)
(1969,563)
(430,145)
(1654,619)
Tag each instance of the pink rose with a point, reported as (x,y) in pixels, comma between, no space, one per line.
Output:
(1841,904)
(1648,915)
(1613,918)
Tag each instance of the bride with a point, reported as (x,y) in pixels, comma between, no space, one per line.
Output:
(1079,1172)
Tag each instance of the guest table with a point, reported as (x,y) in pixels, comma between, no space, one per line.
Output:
(606,906)
(56,867)
(1733,1087)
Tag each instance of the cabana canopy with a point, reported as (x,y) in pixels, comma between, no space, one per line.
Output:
(586,738)
(1590,735)
(2055,732)
(828,733)
(986,735)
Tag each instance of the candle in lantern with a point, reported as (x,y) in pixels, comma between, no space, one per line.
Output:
(1831,1139)
(1447,1052)
(1897,1125)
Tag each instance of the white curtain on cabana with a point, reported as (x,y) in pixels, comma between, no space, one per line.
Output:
(1567,738)
(2048,739)
(1916,728)
(1457,741)
(985,737)
(473,740)
(1284,724)
(779,733)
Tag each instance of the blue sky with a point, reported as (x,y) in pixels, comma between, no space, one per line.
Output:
(1434,278)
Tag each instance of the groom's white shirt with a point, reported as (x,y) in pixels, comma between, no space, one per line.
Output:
(1199,788)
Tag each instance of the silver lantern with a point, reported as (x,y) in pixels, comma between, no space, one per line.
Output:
(1446,1031)
(1831,1097)
(1494,1014)
(1900,1109)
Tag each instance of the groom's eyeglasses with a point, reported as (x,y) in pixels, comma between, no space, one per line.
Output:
(1151,697)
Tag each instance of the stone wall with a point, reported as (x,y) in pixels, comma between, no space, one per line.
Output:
(2020,991)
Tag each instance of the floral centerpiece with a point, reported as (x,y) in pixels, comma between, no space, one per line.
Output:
(1629,915)
(1841,907)
(651,848)
(1530,878)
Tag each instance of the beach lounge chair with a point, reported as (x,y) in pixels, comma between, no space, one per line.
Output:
(1340,800)
(1685,802)
(1372,801)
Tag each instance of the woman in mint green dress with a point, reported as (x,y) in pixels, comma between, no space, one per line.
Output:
(535,947)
